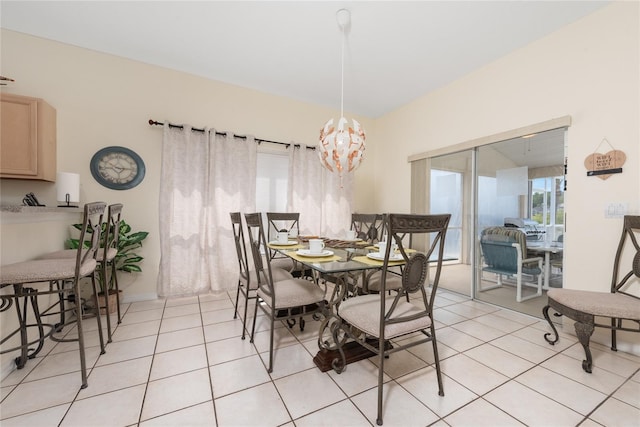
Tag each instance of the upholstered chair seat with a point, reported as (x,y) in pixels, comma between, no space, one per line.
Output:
(293,293)
(364,311)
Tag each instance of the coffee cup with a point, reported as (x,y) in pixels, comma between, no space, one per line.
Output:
(351,234)
(382,247)
(283,237)
(316,246)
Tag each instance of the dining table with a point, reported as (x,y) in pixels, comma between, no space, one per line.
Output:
(546,248)
(342,263)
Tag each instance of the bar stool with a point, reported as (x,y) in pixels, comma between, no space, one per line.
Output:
(25,276)
(106,258)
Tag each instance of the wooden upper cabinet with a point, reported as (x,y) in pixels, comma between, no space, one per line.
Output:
(27,138)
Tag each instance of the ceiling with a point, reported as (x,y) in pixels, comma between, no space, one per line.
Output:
(395,51)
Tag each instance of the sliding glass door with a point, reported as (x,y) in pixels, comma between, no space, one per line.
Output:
(517,183)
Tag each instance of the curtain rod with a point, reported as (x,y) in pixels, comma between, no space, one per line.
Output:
(258,140)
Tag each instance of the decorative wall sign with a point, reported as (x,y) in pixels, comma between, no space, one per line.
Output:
(605,165)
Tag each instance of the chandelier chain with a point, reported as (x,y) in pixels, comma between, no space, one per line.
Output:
(342,75)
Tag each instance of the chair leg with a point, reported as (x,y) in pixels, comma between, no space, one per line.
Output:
(270,370)
(255,316)
(437,360)
(114,277)
(381,357)
(22,320)
(80,314)
(33,297)
(106,280)
(59,286)
(545,312)
(246,308)
(584,332)
(235,313)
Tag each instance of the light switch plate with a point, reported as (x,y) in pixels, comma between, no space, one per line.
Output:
(616,210)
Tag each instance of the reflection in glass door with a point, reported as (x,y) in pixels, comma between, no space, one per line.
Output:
(519,186)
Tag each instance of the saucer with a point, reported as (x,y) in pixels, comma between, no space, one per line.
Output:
(289,243)
(378,257)
(307,253)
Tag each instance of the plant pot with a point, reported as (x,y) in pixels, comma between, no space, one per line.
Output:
(112,306)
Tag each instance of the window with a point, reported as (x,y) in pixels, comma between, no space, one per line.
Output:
(271,182)
(546,204)
(446,197)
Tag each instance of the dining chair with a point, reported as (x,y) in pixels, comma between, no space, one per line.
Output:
(26,276)
(374,320)
(371,282)
(590,309)
(368,227)
(247,278)
(289,222)
(280,300)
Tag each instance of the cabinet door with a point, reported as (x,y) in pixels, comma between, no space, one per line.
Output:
(27,138)
(19,136)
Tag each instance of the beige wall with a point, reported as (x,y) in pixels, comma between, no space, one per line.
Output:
(104,100)
(589,70)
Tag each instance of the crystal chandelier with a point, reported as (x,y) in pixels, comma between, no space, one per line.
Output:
(341,149)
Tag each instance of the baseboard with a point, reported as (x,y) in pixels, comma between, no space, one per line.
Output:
(139,297)
(628,342)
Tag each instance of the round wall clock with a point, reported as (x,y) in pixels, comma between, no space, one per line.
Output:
(117,168)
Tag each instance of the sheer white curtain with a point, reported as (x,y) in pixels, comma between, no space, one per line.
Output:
(336,203)
(204,176)
(324,205)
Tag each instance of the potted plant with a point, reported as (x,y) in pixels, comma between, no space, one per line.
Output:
(126,260)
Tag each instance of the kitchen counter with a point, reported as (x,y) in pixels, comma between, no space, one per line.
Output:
(22,214)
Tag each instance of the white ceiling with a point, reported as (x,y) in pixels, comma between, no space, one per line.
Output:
(396,51)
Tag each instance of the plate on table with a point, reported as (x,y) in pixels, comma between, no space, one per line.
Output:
(307,252)
(289,243)
(378,257)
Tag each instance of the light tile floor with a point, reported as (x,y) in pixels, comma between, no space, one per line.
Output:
(181,362)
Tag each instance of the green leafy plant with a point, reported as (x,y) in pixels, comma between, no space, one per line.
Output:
(127,259)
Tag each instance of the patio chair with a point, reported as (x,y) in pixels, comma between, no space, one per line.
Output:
(373,320)
(504,253)
(280,300)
